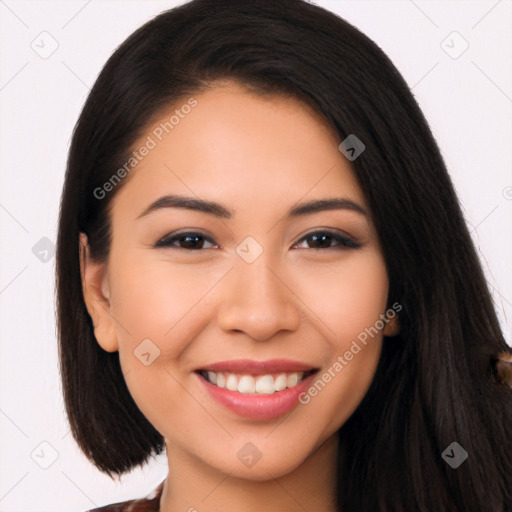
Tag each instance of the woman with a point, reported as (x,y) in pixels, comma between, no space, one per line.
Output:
(263,268)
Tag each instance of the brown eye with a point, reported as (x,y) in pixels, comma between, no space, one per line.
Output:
(325,239)
(186,240)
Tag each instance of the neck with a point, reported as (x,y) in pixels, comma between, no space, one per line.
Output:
(194,486)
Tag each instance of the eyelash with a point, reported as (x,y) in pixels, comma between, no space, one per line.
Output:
(344,242)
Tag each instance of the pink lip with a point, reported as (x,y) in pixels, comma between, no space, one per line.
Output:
(248,367)
(255,406)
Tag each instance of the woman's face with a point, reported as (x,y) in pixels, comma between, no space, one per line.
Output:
(257,290)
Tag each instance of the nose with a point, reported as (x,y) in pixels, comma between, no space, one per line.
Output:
(256,300)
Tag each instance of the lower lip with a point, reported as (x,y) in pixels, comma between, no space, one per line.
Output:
(258,407)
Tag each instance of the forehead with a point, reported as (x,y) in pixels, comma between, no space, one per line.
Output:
(239,148)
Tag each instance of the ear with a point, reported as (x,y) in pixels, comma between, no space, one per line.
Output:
(392,327)
(96,291)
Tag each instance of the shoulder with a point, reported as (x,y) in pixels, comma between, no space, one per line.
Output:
(150,503)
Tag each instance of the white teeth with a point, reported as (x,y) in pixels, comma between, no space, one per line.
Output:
(293,379)
(280,382)
(221,380)
(231,383)
(247,384)
(265,385)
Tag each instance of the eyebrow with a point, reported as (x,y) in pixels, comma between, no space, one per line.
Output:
(221,211)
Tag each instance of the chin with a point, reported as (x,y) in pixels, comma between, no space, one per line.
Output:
(265,470)
(262,459)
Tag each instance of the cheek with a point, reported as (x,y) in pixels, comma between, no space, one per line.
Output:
(153,303)
(349,300)
(347,297)
(153,299)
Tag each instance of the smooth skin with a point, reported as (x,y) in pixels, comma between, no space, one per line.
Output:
(303,298)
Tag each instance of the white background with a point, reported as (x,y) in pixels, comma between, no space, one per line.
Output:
(467,101)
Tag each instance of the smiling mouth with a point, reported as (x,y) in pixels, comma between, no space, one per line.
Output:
(247,384)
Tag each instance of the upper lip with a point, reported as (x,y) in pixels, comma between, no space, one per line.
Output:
(248,366)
